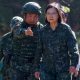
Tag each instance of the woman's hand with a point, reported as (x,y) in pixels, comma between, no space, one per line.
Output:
(37,75)
(73,71)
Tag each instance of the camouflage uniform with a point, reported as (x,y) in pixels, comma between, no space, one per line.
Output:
(6,51)
(6,46)
(1,67)
(24,50)
(59,51)
(24,47)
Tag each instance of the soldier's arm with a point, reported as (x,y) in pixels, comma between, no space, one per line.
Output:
(19,33)
(39,51)
(72,47)
(1,51)
(38,56)
(6,52)
(1,56)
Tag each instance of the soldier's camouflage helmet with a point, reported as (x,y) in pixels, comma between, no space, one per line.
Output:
(31,7)
(16,21)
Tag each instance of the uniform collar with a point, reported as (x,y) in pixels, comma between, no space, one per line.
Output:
(29,25)
(48,26)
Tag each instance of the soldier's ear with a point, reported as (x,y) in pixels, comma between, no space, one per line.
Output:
(24,16)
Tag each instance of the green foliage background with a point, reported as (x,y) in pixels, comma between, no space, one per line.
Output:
(10,8)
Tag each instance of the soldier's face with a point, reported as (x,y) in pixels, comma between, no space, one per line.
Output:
(31,18)
(52,15)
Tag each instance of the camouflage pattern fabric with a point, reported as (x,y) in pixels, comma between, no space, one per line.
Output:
(59,51)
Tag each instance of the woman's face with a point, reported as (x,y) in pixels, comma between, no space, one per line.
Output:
(52,15)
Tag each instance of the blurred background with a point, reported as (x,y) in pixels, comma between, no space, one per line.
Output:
(11,8)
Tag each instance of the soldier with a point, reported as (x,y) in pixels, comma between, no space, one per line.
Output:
(64,13)
(6,45)
(59,48)
(25,43)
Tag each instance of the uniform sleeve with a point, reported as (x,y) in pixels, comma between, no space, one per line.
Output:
(19,33)
(78,65)
(72,47)
(1,52)
(1,56)
(38,55)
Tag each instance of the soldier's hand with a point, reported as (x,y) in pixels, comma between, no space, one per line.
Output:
(37,75)
(29,32)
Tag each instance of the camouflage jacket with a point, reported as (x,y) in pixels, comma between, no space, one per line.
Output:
(24,48)
(6,48)
(58,48)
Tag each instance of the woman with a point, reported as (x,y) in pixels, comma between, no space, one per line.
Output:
(59,47)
